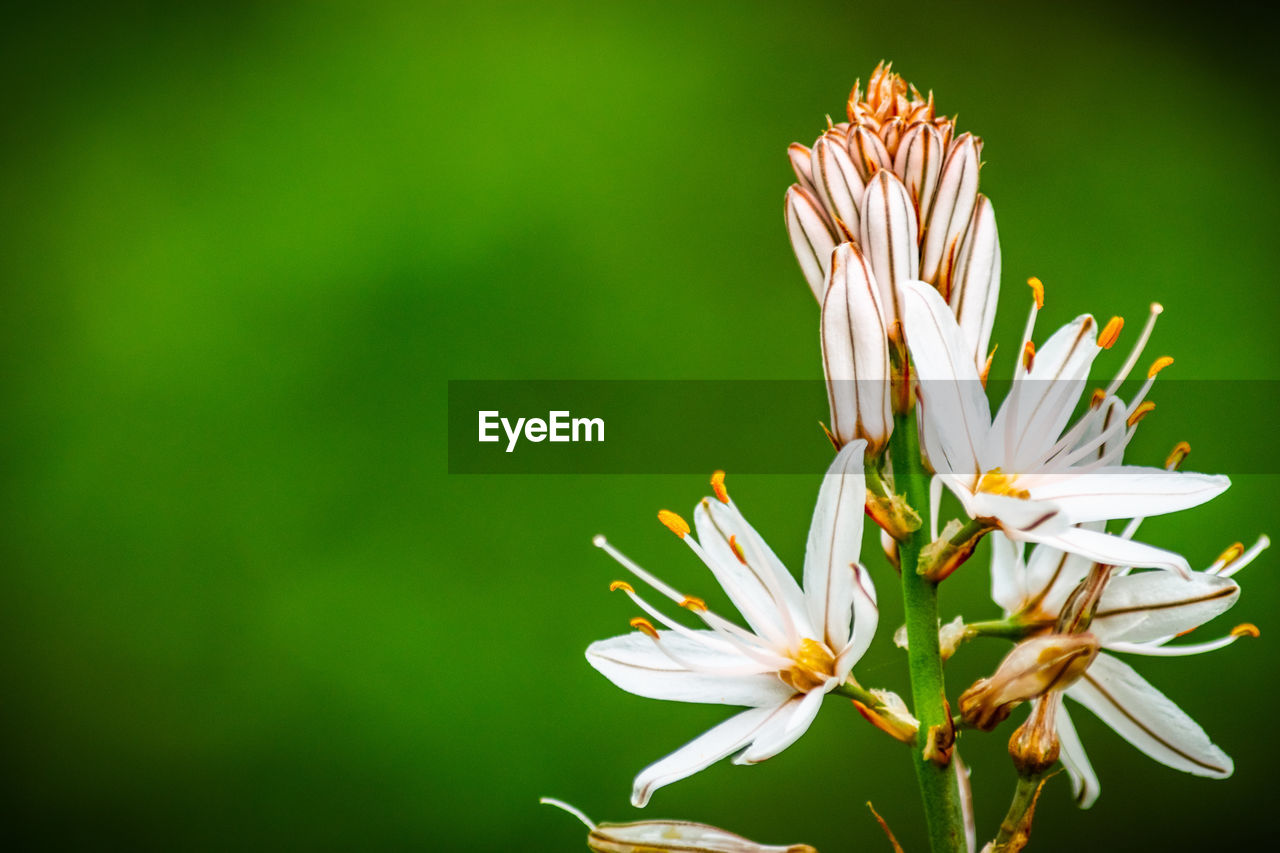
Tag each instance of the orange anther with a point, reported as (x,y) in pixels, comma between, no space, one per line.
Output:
(1037,290)
(1180,451)
(1246,629)
(644,626)
(1158,365)
(674,523)
(1144,409)
(1110,333)
(737,550)
(1028,355)
(717,485)
(1229,556)
(693,603)
(621,585)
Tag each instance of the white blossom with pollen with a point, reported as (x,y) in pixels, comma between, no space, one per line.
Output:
(802,643)
(1028,470)
(896,183)
(1137,613)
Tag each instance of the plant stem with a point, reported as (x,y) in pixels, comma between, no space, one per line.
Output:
(1015,830)
(939,789)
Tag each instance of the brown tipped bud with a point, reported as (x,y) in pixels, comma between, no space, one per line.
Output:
(1034,746)
(1033,668)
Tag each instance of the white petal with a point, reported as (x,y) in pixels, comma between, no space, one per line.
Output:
(952,209)
(919,163)
(1112,550)
(1147,719)
(868,152)
(839,185)
(703,751)
(634,663)
(1008,574)
(1084,782)
(761,588)
(677,836)
(957,419)
(1022,520)
(1041,403)
(866,618)
(1127,491)
(976,288)
(888,238)
(855,351)
(1053,574)
(1148,606)
(835,543)
(811,237)
(783,729)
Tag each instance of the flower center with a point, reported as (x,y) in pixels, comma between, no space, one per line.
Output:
(814,664)
(997,482)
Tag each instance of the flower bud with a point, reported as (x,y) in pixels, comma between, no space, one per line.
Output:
(838,183)
(855,353)
(1034,745)
(919,163)
(812,236)
(1033,668)
(888,238)
(952,208)
(655,836)
(975,287)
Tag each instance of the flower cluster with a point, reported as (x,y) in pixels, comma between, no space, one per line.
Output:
(902,253)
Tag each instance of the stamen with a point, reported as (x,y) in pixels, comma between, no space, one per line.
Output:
(737,549)
(644,626)
(1037,290)
(1144,408)
(1110,333)
(1245,559)
(1136,353)
(1246,629)
(986,368)
(717,485)
(1028,355)
(1234,552)
(1158,365)
(621,585)
(1098,396)
(692,602)
(1180,452)
(674,523)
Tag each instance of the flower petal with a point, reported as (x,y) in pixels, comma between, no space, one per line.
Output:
(783,729)
(1149,606)
(757,582)
(801,164)
(1126,491)
(703,751)
(957,419)
(635,663)
(1084,782)
(812,237)
(888,238)
(1112,550)
(1008,574)
(919,163)
(1147,719)
(834,545)
(855,351)
(1053,574)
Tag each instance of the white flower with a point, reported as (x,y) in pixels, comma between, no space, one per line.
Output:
(892,174)
(801,643)
(1137,613)
(1026,470)
(678,836)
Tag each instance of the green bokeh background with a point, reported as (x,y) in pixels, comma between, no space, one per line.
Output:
(244,247)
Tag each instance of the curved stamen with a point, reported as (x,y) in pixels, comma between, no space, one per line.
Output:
(1136,352)
(1231,567)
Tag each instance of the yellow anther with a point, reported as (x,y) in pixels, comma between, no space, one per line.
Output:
(674,523)
(644,626)
(717,485)
(621,585)
(1037,290)
(997,482)
(1246,629)
(1110,333)
(1028,355)
(737,550)
(1096,399)
(1229,556)
(986,368)
(1180,451)
(692,602)
(1144,409)
(1158,365)
(814,664)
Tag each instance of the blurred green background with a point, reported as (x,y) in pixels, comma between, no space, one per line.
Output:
(244,247)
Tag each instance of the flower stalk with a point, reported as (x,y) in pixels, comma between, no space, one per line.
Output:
(939,789)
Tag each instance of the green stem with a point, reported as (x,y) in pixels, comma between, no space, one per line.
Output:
(939,789)
(1015,830)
